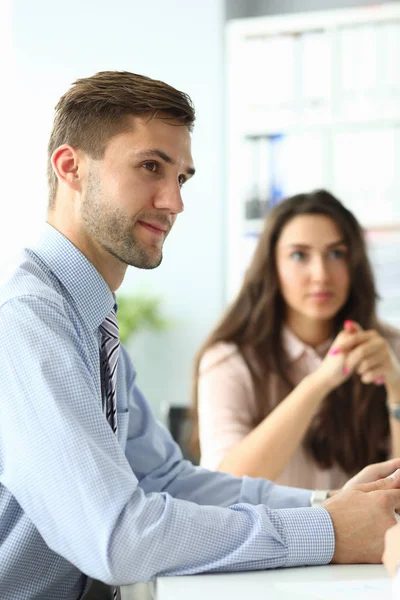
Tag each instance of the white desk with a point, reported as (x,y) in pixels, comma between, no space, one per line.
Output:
(358,582)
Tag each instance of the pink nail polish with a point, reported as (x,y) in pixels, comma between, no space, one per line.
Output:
(346,371)
(380,381)
(334,351)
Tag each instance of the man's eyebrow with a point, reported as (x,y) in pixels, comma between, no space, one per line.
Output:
(165,157)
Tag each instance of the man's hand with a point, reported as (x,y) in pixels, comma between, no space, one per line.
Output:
(361,516)
(391,555)
(373,472)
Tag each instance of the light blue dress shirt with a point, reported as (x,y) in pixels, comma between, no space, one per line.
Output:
(77,503)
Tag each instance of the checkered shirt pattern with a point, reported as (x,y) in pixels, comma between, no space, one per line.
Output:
(79,502)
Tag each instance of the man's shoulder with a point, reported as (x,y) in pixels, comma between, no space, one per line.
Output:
(32,280)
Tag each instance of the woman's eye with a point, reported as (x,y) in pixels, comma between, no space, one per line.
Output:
(337,254)
(298,255)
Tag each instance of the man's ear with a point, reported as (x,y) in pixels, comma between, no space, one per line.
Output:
(68,165)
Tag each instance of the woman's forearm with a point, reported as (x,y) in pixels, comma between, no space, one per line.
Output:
(266,451)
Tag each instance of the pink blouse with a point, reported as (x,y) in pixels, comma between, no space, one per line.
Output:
(227,408)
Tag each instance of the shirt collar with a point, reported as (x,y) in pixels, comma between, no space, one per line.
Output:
(76,273)
(295,348)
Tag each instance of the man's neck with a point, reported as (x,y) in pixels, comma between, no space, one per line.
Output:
(110,268)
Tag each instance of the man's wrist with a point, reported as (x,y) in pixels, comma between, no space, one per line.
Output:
(332,493)
(318,497)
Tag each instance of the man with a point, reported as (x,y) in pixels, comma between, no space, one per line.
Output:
(91,486)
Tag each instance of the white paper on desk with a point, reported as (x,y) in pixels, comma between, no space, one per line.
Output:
(373,589)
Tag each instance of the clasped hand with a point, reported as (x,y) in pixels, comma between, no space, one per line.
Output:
(364,352)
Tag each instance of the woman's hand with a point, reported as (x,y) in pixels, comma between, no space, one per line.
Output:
(391,554)
(332,371)
(369,355)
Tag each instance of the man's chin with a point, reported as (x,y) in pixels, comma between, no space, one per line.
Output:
(139,257)
(147,262)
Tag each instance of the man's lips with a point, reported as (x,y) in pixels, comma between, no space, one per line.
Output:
(155,227)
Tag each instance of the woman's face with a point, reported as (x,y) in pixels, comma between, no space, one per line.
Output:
(312,266)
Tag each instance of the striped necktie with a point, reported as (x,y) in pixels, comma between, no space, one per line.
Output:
(109,352)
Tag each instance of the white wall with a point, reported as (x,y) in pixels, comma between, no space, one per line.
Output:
(181,42)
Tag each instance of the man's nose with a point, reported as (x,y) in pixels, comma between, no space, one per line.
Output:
(169,197)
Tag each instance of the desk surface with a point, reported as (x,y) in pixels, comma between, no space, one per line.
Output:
(358,582)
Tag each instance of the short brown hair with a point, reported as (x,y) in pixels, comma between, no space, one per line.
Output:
(96,108)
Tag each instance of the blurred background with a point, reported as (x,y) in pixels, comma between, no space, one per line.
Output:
(290,96)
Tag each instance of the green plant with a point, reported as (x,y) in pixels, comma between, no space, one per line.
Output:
(139,311)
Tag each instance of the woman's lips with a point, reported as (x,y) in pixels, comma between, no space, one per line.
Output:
(321,296)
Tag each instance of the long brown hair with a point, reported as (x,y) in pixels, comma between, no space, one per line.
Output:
(96,108)
(351,428)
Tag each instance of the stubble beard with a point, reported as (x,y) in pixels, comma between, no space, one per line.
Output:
(114,231)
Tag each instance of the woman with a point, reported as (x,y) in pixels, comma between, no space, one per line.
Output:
(283,389)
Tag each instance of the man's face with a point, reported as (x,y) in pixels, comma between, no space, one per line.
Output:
(133,193)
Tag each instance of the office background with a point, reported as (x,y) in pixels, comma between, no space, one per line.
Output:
(44,47)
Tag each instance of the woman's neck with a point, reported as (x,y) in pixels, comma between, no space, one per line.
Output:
(312,332)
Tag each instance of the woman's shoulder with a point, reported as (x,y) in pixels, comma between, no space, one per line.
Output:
(226,353)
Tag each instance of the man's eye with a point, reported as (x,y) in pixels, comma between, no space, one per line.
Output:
(181,180)
(151,166)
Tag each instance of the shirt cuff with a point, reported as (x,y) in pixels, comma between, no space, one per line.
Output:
(310,535)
